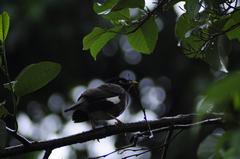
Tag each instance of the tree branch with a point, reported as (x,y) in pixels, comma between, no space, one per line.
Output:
(18,136)
(151,13)
(163,124)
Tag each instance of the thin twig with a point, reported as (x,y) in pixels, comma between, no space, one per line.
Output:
(149,15)
(155,147)
(47,153)
(166,142)
(133,149)
(6,72)
(136,155)
(117,150)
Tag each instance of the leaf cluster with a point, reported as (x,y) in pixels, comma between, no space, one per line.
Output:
(141,29)
(30,79)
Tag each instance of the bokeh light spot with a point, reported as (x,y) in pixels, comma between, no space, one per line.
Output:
(128,74)
(146,82)
(153,97)
(96,148)
(179,8)
(77,91)
(56,103)
(25,125)
(61,153)
(50,124)
(130,56)
(35,110)
(95,83)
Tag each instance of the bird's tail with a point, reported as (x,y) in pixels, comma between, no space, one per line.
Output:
(68,109)
(80,104)
(72,107)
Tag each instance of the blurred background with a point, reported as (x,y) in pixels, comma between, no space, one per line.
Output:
(53,30)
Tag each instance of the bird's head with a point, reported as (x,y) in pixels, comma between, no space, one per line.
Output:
(126,84)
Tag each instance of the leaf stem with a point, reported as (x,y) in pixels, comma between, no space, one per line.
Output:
(6,72)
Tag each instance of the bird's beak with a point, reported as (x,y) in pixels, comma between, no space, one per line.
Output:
(135,83)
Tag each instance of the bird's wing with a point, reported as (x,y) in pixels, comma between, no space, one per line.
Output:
(95,95)
(102,92)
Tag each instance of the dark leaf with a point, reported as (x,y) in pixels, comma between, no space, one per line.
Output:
(145,38)
(98,38)
(129,4)
(35,76)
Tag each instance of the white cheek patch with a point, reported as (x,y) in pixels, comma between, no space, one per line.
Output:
(114,100)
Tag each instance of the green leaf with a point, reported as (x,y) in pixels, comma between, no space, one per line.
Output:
(233,24)
(144,38)
(187,31)
(89,39)
(236,101)
(4,25)
(228,145)
(98,38)
(118,17)
(220,48)
(105,8)
(207,148)
(35,76)
(217,55)
(195,38)
(234,33)
(219,92)
(224,88)
(170,4)
(3,135)
(192,7)
(183,25)
(129,4)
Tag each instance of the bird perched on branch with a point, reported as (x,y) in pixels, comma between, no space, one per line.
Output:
(105,102)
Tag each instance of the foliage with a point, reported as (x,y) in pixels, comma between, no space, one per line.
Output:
(4,26)
(205,31)
(203,34)
(32,78)
(141,30)
(144,39)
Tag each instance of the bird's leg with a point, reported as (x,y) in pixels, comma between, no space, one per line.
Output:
(119,122)
(93,126)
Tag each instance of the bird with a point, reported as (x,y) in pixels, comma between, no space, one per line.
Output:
(104,102)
